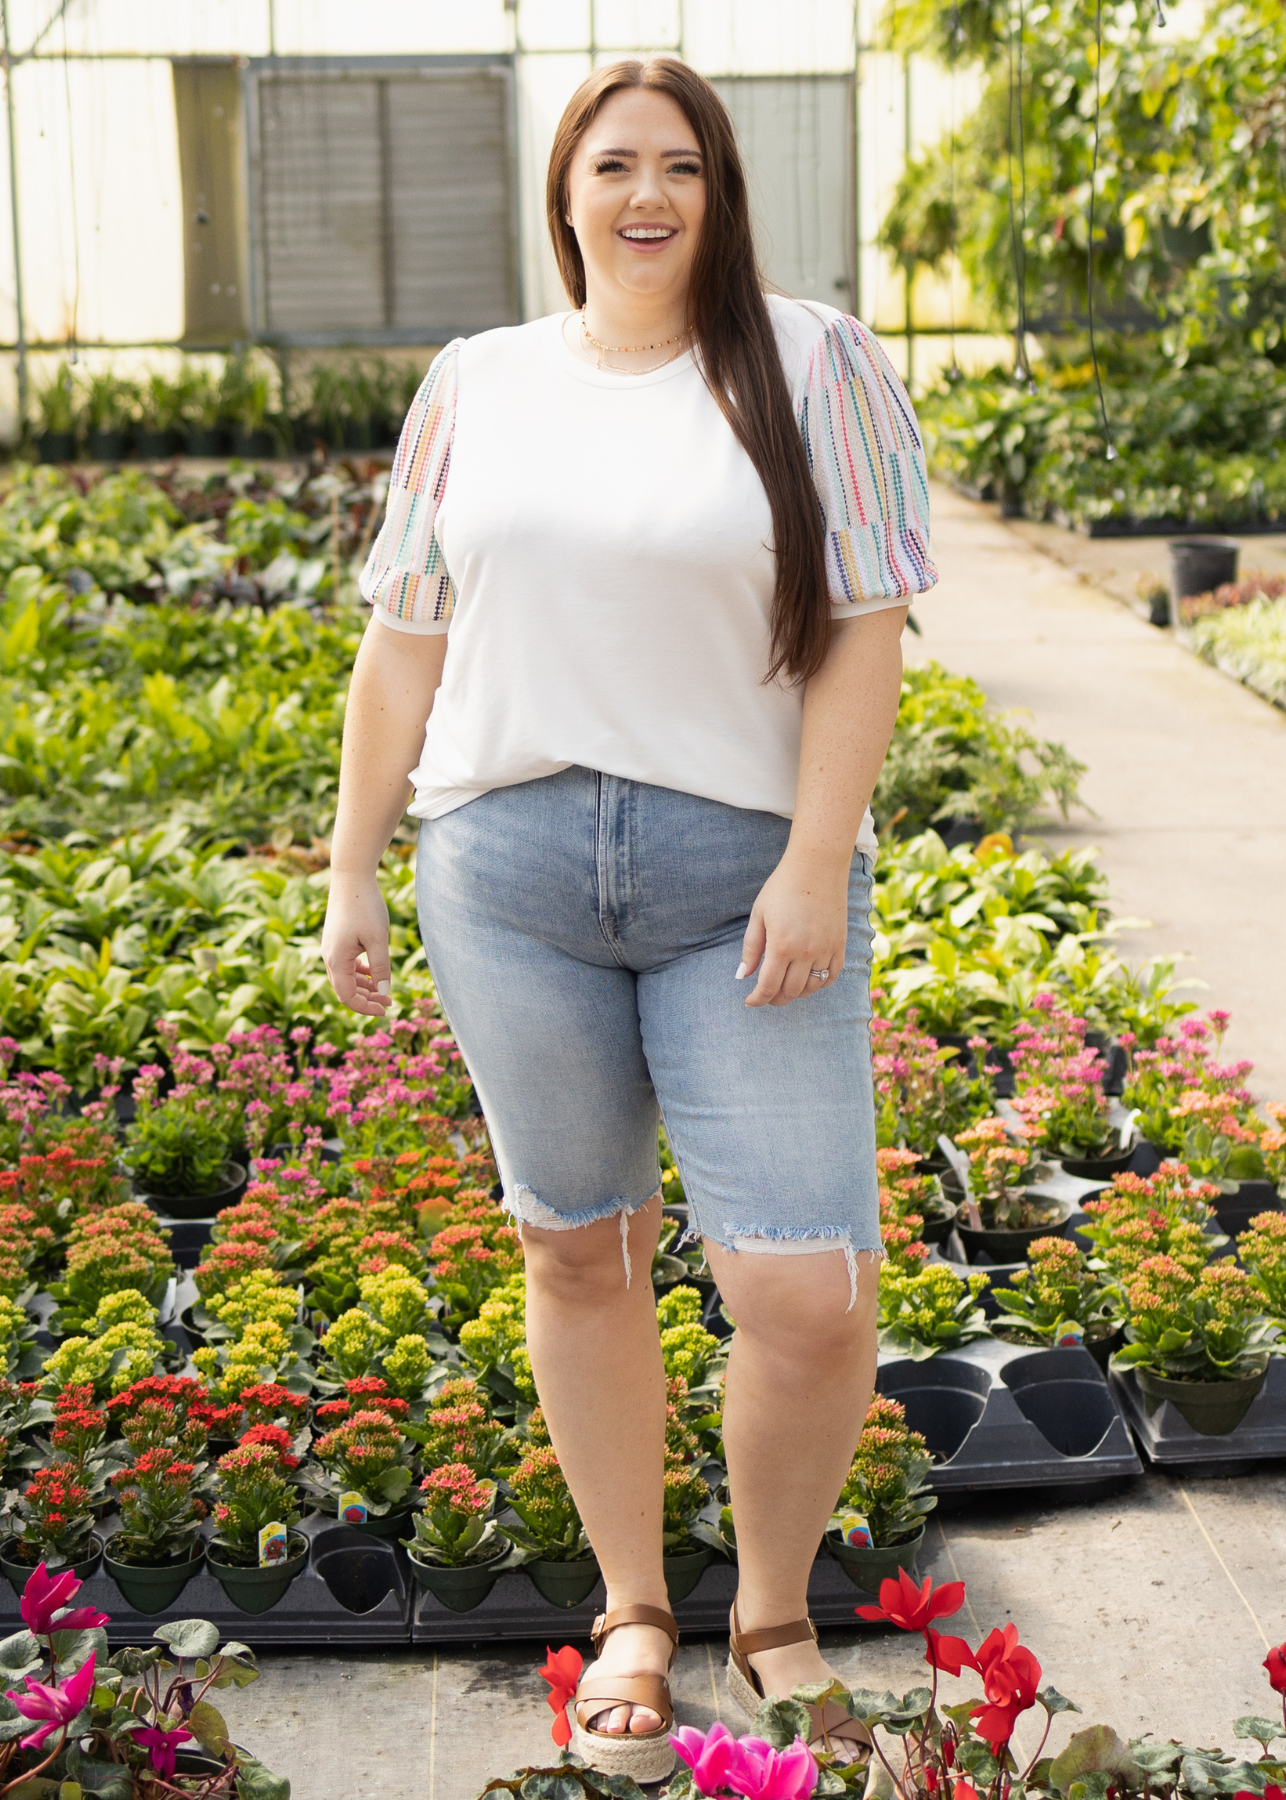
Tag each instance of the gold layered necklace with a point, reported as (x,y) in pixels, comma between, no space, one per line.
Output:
(631,349)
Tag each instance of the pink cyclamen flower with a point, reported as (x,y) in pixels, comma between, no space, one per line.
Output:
(57,1706)
(762,1773)
(161,1747)
(709,1755)
(43,1598)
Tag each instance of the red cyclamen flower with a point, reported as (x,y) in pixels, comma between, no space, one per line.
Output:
(911,1607)
(57,1705)
(1010,1677)
(561,1670)
(43,1599)
(1275,1663)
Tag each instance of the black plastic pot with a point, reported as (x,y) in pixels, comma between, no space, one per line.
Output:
(683,1572)
(1247,1200)
(670,1272)
(564,1583)
(150,1589)
(19,1571)
(200,1206)
(938,1226)
(1011,1246)
(106,446)
(461,1589)
(254,1590)
(867,1565)
(1214,1408)
(1098,1168)
(154,446)
(1103,1349)
(254,444)
(1198,565)
(207,440)
(389,1526)
(56,446)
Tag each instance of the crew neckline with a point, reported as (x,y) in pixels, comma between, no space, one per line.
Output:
(605,378)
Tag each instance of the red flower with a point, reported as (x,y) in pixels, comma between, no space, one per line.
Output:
(911,1608)
(1010,1676)
(1275,1663)
(562,1672)
(964,1790)
(951,1654)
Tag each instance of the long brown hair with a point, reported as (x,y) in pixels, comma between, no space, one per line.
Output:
(738,354)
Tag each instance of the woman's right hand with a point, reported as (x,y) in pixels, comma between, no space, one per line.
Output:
(355,944)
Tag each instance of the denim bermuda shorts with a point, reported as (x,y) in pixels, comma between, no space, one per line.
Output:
(584,933)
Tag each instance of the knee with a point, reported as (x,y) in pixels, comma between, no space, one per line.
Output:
(809,1311)
(584,1266)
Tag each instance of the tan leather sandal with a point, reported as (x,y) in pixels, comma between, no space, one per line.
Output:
(647,1756)
(747,1691)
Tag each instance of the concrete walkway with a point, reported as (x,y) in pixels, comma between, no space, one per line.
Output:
(1152,1609)
(1187,769)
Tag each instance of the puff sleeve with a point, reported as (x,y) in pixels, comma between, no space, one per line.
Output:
(867,462)
(406,578)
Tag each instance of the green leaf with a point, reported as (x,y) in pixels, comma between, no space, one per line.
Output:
(254,1782)
(19,1654)
(1054,1702)
(1096,1750)
(1262,1730)
(817,1693)
(189,1637)
(781,1722)
(208,1728)
(74,1649)
(551,1784)
(135,1659)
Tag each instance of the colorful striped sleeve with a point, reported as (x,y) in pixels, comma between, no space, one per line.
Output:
(406,578)
(867,461)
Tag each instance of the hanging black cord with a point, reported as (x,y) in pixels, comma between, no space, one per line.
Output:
(1020,341)
(1089,247)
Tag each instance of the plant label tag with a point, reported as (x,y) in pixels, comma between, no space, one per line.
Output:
(352,1508)
(855,1531)
(272,1545)
(1069,1335)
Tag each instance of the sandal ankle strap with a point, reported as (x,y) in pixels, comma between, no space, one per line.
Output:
(635,1615)
(773,1637)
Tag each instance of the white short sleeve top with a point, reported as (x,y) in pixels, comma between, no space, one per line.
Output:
(599,548)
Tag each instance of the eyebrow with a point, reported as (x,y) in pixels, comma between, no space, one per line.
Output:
(620,152)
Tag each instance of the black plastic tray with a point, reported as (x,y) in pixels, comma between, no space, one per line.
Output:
(514,1611)
(1167,1439)
(354,1590)
(1003,1416)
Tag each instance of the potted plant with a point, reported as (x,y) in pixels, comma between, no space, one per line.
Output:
(109,407)
(157,1549)
(878,1524)
(1166,1214)
(908,1195)
(1227,1149)
(254,1555)
(457,1428)
(934,1309)
(998,1216)
(548,1530)
(1200,1341)
(923,1089)
(1058,1093)
(121,1247)
(1059,1301)
(457,1550)
(159,431)
(57,1517)
(177,1151)
(365,1474)
(684,1492)
(56,416)
(1261,1250)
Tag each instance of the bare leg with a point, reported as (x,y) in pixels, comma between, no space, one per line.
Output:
(596,1355)
(800,1374)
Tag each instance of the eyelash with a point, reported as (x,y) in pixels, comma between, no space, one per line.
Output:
(613,166)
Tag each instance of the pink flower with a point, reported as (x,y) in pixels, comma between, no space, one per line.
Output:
(161,1747)
(710,1755)
(767,1774)
(43,1598)
(57,1706)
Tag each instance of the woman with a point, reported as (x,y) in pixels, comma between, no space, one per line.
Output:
(644,572)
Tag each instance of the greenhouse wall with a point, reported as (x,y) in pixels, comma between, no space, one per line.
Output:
(191,174)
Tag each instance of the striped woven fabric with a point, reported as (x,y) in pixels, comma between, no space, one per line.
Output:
(867,461)
(863,447)
(405,572)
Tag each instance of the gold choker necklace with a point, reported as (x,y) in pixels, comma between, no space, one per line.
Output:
(629,349)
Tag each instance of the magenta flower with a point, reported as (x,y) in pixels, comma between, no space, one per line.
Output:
(56,1706)
(710,1755)
(43,1598)
(763,1773)
(161,1747)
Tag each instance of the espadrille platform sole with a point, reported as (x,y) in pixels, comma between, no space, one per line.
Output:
(649,1758)
(645,1758)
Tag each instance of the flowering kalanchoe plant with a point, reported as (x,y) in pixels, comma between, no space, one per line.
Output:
(1261,1249)
(1207,1327)
(457,1428)
(684,1492)
(367,1454)
(1166,1214)
(888,1483)
(1058,1083)
(254,1491)
(469,1260)
(179,1145)
(454,1526)
(1057,1299)
(161,1512)
(121,1247)
(936,1309)
(1181,1064)
(923,1091)
(549,1525)
(1002,1163)
(57,1517)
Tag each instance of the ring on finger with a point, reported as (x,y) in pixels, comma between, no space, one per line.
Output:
(821,975)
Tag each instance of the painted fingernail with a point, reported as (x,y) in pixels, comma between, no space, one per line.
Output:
(742,972)
(384,987)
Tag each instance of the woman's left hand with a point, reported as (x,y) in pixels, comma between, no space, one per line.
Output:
(798,926)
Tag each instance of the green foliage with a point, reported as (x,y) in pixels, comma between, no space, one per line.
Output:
(549,1525)
(920,1314)
(1249,642)
(1207,1327)
(953,758)
(1057,1296)
(888,1483)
